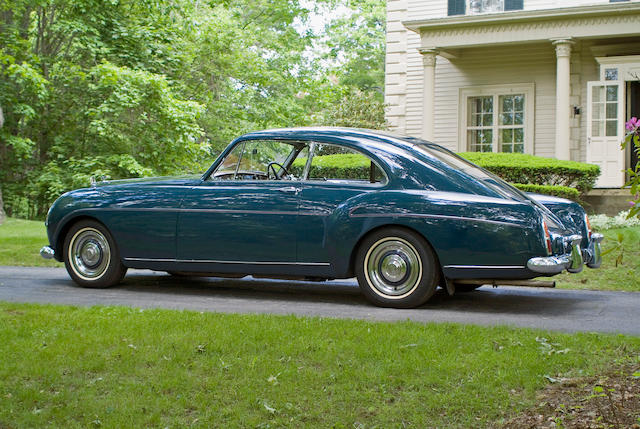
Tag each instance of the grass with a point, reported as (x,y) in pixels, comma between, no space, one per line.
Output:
(21,240)
(20,243)
(624,277)
(121,367)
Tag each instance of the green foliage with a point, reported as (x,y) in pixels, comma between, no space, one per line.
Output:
(132,88)
(556,191)
(347,166)
(536,170)
(602,222)
(356,109)
(620,263)
(633,139)
(356,43)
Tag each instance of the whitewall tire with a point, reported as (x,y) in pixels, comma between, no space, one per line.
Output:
(396,268)
(91,256)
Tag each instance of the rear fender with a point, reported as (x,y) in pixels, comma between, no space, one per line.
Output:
(463,229)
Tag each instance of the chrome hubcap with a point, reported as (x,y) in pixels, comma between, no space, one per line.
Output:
(89,253)
(393,267)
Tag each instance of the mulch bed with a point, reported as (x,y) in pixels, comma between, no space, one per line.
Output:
(611,400)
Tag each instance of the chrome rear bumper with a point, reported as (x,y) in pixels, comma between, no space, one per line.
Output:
(593,254)
(47,252)
(572,261)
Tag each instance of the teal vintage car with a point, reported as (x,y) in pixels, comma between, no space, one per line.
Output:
(401,214)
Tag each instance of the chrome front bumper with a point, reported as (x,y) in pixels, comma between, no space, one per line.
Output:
(47,252)
(572,261)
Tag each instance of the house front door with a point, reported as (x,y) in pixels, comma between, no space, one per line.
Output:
(605,131)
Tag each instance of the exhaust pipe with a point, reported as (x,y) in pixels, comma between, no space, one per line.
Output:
(496,283)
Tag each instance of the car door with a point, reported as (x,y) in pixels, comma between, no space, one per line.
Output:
(240,216)
(326,187)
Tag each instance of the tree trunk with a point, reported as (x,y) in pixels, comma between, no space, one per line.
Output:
(2,215)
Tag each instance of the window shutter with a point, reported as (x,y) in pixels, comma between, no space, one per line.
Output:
(615,1)
(513,4)
(456,7)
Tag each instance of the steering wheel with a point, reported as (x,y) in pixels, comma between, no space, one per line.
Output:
(270,167)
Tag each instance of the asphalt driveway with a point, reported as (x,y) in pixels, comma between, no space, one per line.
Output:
(563,310)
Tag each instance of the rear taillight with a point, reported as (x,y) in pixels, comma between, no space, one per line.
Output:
(588,224)
(547,238)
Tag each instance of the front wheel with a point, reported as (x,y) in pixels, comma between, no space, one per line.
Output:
(91,256)
(396,268)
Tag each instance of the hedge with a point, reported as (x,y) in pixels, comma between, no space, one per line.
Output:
(348,166)
(556,191)
(355,166)
(536,170)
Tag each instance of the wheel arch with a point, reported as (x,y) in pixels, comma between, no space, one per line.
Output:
(63,230)
(356,248)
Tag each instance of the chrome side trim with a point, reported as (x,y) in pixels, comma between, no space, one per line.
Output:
(487,267)
(432,216)
(261,212)
(223,211)
(213,261)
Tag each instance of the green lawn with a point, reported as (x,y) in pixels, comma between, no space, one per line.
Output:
(21,240)
(625,277)
(20,243)
(122,367)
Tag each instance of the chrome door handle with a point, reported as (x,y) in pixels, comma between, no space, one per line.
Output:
(290,190)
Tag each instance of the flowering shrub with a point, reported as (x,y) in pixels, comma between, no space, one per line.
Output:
(601,222)
(633,138)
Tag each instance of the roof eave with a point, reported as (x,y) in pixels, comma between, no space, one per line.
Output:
(523,16)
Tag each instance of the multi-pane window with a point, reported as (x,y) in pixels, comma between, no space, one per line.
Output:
(604,119)
(496,123)
(480,124)
(511,123)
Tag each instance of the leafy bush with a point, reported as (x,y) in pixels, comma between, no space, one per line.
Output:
(536,170)
(602,222)
(632,139)
(355,166)
(556,191)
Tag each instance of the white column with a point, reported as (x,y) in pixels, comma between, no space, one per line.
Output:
(563,91)
(429,92)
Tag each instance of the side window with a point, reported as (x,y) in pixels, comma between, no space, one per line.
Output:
(259,160)
(337,163)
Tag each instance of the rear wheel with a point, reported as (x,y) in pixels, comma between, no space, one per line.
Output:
(396,268)
(91,256)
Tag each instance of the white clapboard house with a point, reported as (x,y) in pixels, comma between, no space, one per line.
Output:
(555,78)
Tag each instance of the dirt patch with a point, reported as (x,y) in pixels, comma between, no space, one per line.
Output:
(611,400)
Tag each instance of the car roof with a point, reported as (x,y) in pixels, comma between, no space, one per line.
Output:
(366,137)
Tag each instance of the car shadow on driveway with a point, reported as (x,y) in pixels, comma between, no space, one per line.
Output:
(498,301)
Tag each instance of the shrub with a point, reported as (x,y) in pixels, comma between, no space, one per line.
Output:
(347,166)
(621,220)
(556,191)
(536,170)
(355,166)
